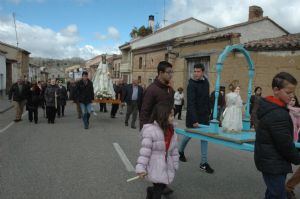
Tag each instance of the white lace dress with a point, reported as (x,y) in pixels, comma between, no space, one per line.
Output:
(233,121)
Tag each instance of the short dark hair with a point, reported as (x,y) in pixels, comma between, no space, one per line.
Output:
(163,65)
(200,65)
(256,88)
(84,73)
(281,79)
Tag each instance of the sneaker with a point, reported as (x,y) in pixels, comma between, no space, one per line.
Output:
(290,195)
(182,157)
(94,113)
(205,167)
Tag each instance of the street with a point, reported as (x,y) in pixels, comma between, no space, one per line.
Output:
(65,161)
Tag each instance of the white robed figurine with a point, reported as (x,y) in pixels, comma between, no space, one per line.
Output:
(233,121)
(103,86)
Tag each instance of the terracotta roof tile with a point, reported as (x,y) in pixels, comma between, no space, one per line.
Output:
(286,42)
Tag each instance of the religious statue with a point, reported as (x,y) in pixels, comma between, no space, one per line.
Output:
(103,86)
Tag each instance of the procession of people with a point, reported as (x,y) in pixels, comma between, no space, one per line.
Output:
(276,120)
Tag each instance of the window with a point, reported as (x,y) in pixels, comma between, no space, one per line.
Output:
(140,62)
(191,62)
(139,79)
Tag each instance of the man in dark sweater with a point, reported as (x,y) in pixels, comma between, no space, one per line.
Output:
(158,91)
(274,147)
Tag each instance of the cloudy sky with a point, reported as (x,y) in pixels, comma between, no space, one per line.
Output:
(86,28)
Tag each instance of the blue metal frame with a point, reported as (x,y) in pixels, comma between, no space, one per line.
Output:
(219,68)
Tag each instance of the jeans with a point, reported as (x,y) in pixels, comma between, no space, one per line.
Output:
(275,186)
(86,110)
(204,147)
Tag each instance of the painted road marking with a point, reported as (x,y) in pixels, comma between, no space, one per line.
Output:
(10,124)
(123,157)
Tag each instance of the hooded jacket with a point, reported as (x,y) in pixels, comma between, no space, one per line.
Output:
(159,164)
(274,147)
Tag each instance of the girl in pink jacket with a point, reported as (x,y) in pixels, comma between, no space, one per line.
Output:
(159,156)
(294,108)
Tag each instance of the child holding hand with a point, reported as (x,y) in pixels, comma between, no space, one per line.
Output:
(159,156)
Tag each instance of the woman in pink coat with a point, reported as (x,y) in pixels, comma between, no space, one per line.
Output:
(159,156)
(294,108)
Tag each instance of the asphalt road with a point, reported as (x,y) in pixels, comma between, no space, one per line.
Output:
(65,161)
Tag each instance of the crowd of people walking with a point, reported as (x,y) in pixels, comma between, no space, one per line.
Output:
(275,118)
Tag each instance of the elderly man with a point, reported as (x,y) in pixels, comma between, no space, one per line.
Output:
(19,93)
(133,97)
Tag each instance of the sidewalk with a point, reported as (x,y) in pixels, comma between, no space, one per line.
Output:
(5,105)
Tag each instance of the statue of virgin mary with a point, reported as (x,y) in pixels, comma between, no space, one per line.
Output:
(103,86)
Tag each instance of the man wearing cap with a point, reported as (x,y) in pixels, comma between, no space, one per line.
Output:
(85,96)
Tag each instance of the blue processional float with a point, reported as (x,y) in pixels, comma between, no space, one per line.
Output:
(242,140)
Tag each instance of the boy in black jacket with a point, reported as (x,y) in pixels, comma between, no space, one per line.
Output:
(274,147)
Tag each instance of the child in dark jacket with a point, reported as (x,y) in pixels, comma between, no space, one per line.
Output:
(159,156)
(274,146)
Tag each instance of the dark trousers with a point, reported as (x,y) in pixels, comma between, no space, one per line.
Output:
(51,112)
(178,109)
(103,107)
(156,191)
(275,186)
(114,109)
(60,110)
(132,108)
(33,114)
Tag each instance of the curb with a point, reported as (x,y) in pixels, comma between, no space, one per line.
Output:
(6,109)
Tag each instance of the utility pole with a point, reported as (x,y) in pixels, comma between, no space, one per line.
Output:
(14,16)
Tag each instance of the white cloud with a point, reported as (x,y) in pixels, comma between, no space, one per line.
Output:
(112,33)
(44,42)
(227,12)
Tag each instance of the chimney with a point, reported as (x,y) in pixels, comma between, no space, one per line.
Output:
(255,12)
(151,22)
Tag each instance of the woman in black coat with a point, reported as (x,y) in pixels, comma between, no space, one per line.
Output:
(33,102)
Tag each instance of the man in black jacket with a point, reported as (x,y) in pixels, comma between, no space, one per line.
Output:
(274,147)
(19,92)
(133,97)
(85,96)
(198,111)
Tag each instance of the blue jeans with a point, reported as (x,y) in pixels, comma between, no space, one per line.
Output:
(204,147)
(275,186)
(86,110)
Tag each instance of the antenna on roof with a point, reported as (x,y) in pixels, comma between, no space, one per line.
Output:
(164,20)
(14,16)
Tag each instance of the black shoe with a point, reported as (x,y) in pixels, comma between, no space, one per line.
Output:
(133,127)
(290,195)
(112,116)
(167,190)
(179,119)
(30,120)
(182,157)
(149,192)
(17,120)
(126,123)
(35,122)
(205,167)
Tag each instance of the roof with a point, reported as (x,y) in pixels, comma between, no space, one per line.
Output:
(286,42)
(127,44)
(235,26)
(17,48)
(250,22)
